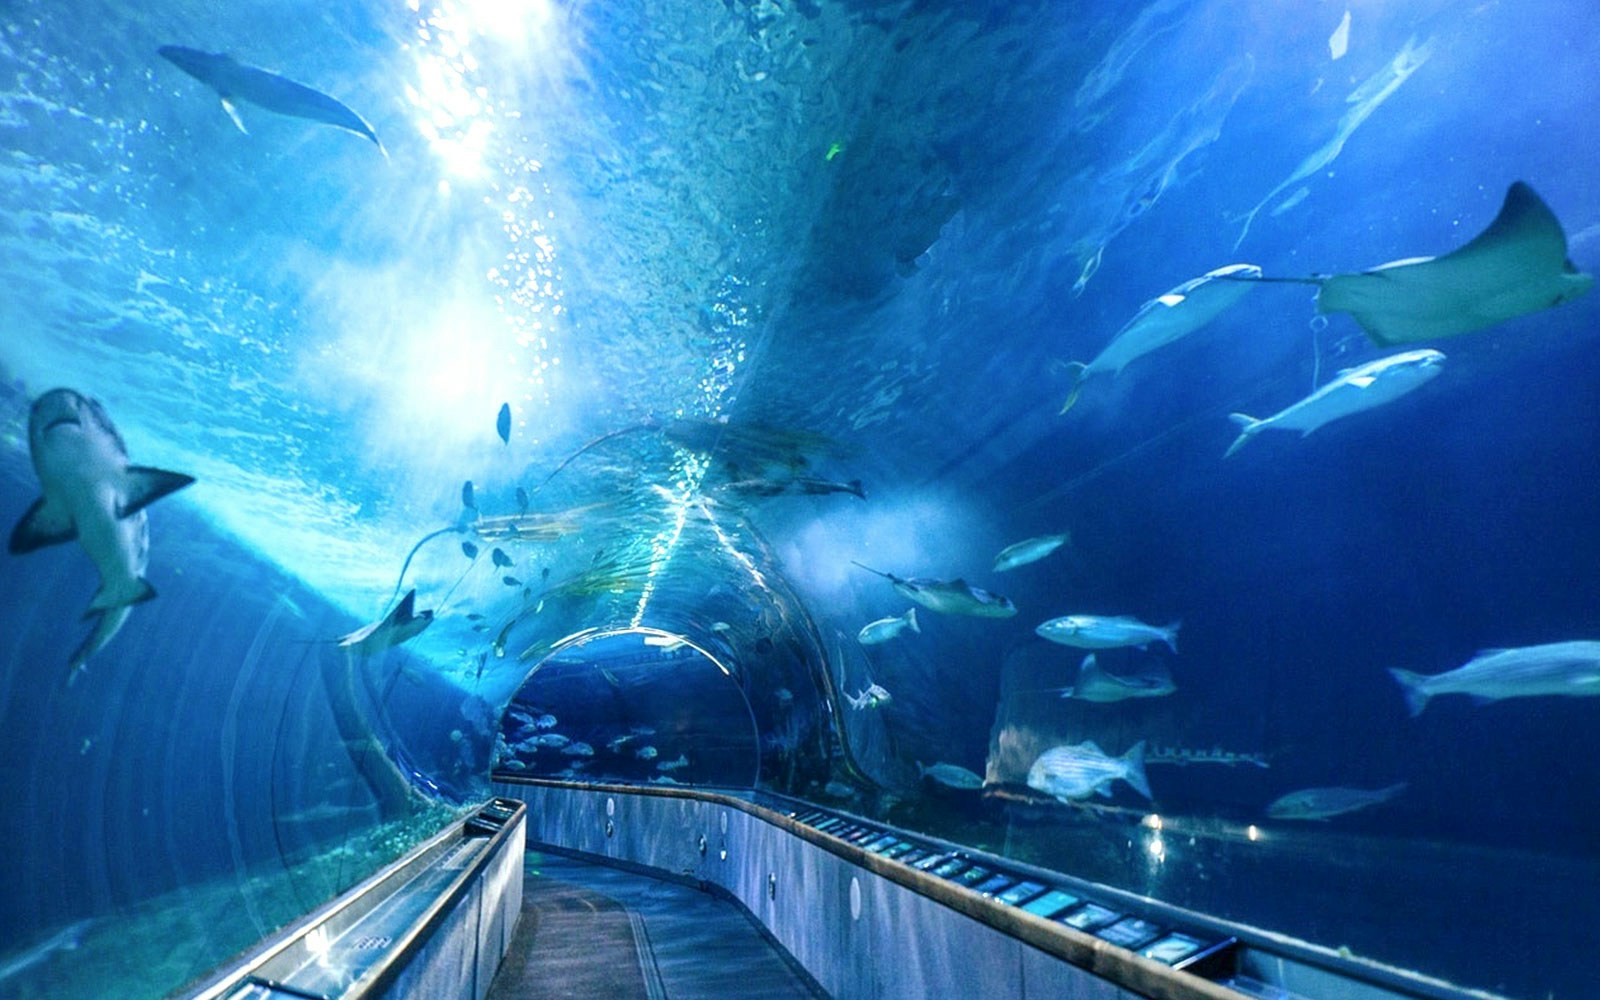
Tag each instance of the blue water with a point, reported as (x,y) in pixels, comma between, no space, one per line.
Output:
(848,241)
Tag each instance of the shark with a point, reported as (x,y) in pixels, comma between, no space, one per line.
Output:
(1354,390)
(949,597)
(1516,266)
(402,624)
(92,495)
(234,81)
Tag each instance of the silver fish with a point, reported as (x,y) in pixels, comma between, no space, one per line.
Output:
(1356,389)
(885,629)
(1166,319)
(1081,770)
(1107,632)
(1557,668)
(91,494)
(1322,803)
(950,775)
(1029,550)
(872,697)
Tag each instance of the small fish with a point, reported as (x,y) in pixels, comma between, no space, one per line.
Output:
(514,765)
(555,740)
(646,753)
(950,597)
(805,485)
(67,939)
(674,765)
(1356,389)
(578,750)
(546,721)
(617,743)
(885,629)
(469,550)
(950,775)
(473,616)
(467,500)
(511,581)
(1029,550)
(522,499)
(873,697)
(1078,771)
(1097,684)
(500,558)
(1557,668)
(502,423)
(663,779)
(500,640)
(1107,632)
(1322,803)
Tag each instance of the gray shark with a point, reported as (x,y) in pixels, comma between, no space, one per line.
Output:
(233,80)
(949,597)
(93,495)
(402,624)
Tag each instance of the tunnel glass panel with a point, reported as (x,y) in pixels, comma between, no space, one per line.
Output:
(859,345)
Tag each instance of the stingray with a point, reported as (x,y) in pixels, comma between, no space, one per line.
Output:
(1515,267)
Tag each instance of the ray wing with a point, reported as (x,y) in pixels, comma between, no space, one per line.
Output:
(1516,266)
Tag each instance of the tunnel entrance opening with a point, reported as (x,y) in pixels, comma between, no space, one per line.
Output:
(636,705)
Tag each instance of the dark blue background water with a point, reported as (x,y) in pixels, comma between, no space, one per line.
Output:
(887,225)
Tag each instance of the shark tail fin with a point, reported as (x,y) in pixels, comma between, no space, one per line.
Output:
(1411,686)
(1133,760)
(856,488)
(1249,427)
(1079,371)
(911,619)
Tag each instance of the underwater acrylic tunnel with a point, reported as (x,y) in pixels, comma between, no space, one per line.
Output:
(624,538)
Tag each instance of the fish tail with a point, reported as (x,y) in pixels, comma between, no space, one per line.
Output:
(1249,427)
(1169,635)
(1411,686)
(1133,761)
(856,488)
(1079,372)
(911,619)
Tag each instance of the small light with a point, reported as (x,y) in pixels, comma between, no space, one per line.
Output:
(1252,832)
(1152,822)
(1158,848)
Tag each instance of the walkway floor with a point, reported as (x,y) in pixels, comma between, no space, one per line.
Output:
(588,930)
